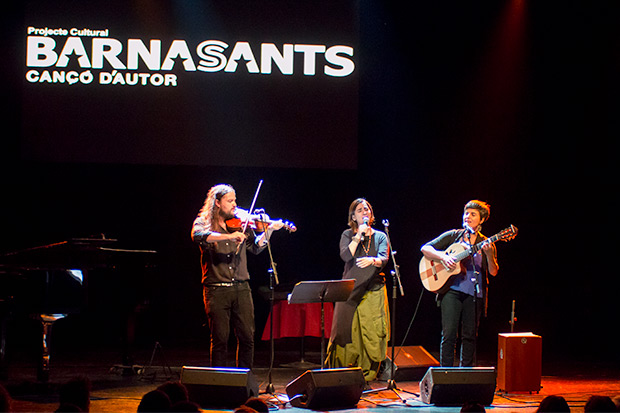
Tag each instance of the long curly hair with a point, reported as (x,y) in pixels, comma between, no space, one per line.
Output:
(207,212)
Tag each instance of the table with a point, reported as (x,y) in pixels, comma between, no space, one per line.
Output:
(298,320)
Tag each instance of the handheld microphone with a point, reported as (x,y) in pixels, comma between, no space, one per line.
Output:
(362,234)
(469,229)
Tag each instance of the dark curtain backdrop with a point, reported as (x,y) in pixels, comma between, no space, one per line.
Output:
(515,103)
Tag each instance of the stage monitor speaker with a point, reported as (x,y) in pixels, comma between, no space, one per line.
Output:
(411,362)
(327,389)
(455,386)
(219,387)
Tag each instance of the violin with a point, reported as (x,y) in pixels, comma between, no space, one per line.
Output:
(258,221)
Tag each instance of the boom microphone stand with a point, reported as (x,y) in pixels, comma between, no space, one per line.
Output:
(273,281)
(391,383)
(475,279)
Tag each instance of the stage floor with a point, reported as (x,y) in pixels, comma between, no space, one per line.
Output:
(113,391)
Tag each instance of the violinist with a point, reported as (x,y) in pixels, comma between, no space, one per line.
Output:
(226,291)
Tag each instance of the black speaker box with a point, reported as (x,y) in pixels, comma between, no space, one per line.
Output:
(411,363)
(327,389)
(455,386)
(219,387)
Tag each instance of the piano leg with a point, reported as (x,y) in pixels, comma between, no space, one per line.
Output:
(47,321)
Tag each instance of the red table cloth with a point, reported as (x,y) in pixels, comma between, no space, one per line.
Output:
(298,320)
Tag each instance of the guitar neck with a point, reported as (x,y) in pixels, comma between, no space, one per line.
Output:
(475,248)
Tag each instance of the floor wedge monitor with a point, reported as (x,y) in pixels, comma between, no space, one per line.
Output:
(411,363)
(455,386)
(219,387)
(327,389)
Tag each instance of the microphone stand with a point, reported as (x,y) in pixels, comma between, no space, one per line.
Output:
(476,280)
(273,281)
(475,315)
(396,284)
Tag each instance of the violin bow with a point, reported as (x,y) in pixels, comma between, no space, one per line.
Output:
(247,219)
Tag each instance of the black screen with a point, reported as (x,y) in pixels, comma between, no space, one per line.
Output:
(214,82)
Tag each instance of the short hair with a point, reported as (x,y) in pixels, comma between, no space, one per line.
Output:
(481,206)
(257,404)
(599,404)
(76,391)
(175,390)
(154,401)
(553,403)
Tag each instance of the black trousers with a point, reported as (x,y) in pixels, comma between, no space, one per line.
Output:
(226,307)
(459,312)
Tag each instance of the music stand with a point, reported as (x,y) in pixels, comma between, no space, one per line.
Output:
(322,292)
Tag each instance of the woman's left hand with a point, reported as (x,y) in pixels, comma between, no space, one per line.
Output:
(489,248)
(364,262)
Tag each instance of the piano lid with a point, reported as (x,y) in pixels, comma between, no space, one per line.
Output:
(83,253)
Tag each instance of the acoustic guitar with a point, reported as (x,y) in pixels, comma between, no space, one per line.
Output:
(435,275)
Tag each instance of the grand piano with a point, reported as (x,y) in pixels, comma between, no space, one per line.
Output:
(50,282)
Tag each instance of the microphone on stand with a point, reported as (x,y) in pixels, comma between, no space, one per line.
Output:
(469,229)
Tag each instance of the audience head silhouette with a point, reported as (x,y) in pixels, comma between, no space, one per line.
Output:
(473,406)
(154,401)
(5,400)
(185,406)
(553,404)
(600,404)
(176,391)
(75,394)
(257,404)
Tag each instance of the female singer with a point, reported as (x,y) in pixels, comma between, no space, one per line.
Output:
(360,328)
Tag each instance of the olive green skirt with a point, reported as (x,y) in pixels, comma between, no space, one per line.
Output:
(370,334)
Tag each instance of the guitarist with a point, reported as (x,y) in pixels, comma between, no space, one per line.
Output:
(464,296)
